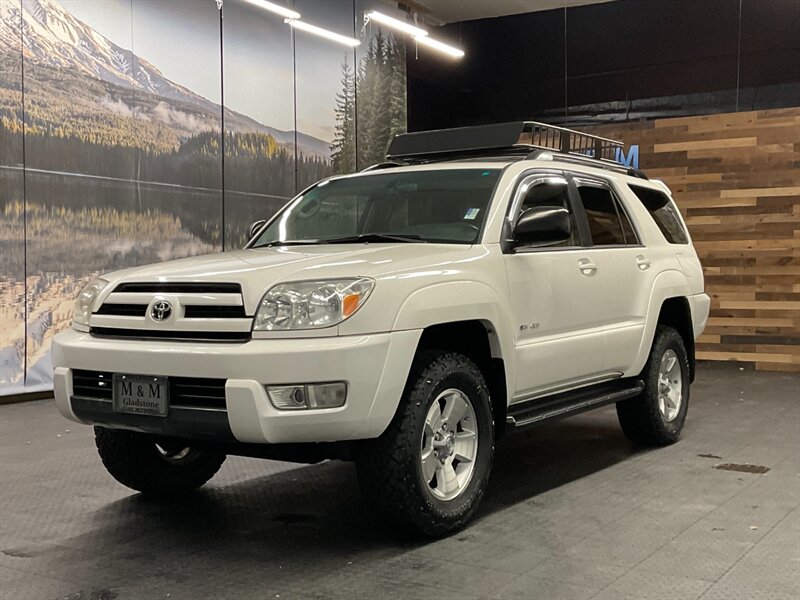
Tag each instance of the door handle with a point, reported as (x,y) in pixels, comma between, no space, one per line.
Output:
(642,262)
(587,267)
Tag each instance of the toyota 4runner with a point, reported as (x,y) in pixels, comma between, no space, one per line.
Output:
(483,280)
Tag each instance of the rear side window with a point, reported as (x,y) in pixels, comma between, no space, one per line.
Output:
(608,223)
(664,213)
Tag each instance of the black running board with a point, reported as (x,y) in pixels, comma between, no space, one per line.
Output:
(558,406)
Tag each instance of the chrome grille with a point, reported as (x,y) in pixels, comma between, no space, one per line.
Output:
(197,311)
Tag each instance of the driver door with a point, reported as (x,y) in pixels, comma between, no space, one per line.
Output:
(555,291)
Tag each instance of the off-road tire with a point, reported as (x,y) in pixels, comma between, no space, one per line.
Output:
(135,461)
(389,468)
(640,417)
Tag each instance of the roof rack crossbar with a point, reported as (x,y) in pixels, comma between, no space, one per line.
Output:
(502,138)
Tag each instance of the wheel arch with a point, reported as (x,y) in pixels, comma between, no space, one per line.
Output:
(676,312)
(668,305)
(448,303)
(477,340)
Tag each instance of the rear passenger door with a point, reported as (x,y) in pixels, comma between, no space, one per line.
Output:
(625,270)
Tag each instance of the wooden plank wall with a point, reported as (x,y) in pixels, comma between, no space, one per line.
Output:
(736,178)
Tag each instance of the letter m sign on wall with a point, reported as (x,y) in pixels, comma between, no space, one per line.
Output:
(629,160)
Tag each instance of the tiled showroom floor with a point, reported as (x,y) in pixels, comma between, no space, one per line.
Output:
(573,511)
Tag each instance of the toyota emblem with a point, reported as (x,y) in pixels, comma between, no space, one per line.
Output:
(161,310)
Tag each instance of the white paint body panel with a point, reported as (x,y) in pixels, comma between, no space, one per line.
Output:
(549,323)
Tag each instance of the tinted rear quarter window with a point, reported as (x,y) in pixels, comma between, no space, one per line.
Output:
(664,213)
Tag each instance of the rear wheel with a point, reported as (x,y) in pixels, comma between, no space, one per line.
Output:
(430,468)
(155,467)
(656,417)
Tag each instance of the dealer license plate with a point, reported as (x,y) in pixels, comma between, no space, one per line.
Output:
(141,395)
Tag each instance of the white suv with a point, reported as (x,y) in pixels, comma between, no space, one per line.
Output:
(486,279)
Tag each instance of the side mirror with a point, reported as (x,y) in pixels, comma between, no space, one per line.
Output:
(543,225)
(255,227)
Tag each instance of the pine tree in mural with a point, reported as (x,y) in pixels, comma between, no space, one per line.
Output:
(377,94)
(343,149)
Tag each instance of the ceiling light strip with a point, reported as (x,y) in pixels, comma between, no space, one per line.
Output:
(440,46)
(336,37)
(397,24)
(275,8)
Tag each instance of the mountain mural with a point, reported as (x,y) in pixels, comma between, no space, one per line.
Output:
(55,40)
(124,165)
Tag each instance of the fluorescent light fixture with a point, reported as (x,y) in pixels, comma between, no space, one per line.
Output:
(379,17)
(440,46)
(336,37)
(276,8)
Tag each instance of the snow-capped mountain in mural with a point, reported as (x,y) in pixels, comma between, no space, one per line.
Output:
(53,37)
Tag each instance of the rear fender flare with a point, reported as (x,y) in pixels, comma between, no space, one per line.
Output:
(667,284)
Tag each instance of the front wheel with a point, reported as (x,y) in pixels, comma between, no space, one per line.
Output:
(160,468)
(657,415)
(430,468)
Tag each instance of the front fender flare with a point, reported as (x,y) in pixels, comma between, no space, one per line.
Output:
(455,301)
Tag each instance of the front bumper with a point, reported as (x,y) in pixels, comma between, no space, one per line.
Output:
(375,368)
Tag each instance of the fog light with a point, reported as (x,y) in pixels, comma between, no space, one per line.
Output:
(315,395)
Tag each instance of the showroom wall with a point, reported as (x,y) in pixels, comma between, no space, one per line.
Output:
(736,178)
(114,150)
(613,61)
(645,72)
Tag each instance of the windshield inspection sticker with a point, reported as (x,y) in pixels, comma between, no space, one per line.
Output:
(472,213)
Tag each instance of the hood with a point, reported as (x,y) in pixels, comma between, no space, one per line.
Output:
(258,269)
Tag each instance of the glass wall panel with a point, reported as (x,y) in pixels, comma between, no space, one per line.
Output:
(381,104)
(770,54)
(12,202)
(80,138)
(325,92)
(628,60)
(259,117)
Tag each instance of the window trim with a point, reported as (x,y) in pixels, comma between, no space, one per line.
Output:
(512,213)
(589,181)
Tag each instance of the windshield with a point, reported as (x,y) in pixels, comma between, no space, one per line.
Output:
(408,206)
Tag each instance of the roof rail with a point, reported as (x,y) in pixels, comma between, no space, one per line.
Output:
(383,165)
(519,137)
(602,163)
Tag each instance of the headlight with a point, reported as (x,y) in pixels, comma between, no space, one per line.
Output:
(311,304)
(85,301)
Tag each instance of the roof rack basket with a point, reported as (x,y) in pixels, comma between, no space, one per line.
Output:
(516,138)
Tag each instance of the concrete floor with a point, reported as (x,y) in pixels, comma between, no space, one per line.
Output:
(573,511)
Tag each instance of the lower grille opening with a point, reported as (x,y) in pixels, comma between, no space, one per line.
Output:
(144,334)
(184,392)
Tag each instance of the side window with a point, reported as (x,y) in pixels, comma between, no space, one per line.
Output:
(550,191)
(608,223)
(664,213)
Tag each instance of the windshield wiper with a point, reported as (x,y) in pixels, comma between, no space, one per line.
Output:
(287,243)
(373,237)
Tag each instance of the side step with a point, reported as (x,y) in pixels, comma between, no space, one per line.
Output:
(532,412)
